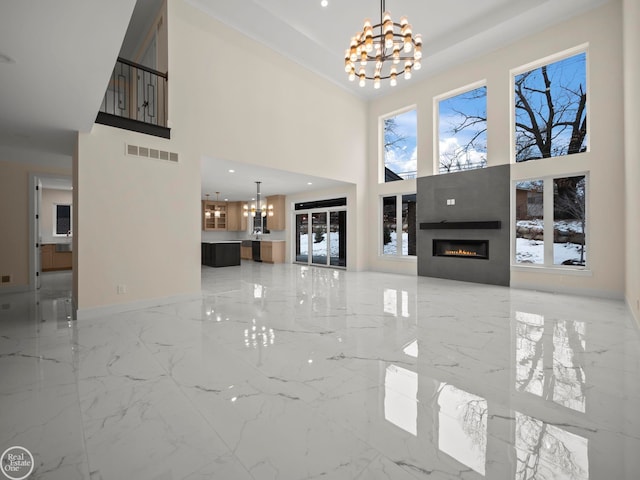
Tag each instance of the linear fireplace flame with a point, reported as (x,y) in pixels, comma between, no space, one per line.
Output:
(462,252)
(461,248)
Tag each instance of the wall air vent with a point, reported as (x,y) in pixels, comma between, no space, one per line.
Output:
(138,151)
(5,279)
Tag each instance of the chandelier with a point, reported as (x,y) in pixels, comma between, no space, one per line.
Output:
(383,51)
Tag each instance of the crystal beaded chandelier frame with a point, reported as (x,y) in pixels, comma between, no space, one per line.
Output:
(383,51)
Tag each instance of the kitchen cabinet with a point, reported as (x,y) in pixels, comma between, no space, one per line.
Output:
(275,212)
(51,259)
(46,257)
(236,221)
(211,222)
(246,252)
(272,251)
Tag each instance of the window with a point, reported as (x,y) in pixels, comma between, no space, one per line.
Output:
(552,208)
(462,131)
(61,219)
(400,147)
(400,239)
(551,110)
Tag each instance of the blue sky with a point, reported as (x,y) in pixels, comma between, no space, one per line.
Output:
(566,76)
(403,157)
(451,110)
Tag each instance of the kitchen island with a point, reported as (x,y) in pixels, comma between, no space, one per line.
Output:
(221,254)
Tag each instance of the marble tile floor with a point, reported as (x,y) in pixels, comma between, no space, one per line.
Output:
(293,372)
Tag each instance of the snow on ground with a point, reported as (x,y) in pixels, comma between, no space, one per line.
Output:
(532,251)
(319,248)
(391,248)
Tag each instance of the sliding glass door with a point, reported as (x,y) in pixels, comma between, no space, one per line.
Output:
(323,241)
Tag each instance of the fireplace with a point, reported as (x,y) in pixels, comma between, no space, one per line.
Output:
(461,248)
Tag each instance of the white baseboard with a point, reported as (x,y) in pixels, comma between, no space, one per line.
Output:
(589,292)
(106,310)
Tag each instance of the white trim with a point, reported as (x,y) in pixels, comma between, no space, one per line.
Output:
(398,258)
(380,229)
(548,266)
(590,292)
(556,57)
(436,118)
(107,310)
(55,206)
(381,159)
(557,270)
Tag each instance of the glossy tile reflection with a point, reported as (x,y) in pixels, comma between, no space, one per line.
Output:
(296,372)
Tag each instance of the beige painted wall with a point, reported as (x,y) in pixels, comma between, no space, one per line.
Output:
(14,212)
(138,220)
(605,161)
(631,46)
(51,197)
(278,114)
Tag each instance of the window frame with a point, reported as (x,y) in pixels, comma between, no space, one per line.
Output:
(436,120)
(548,219)
(55,219)
(549,59)
(381,131)
(398,255)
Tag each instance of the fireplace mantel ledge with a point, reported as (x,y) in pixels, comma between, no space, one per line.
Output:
(446,225)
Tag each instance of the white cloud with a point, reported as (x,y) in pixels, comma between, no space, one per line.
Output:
(450,147)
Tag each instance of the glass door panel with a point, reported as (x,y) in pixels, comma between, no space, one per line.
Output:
(338,238)
(319,242)
(302,238)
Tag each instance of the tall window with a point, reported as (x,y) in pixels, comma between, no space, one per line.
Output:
(399,225)
(400,146)
(551,221)
(462,131)
(551,110)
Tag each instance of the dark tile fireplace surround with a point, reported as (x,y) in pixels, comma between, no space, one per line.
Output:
(464,219)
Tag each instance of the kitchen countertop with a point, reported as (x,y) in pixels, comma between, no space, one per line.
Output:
(225,241)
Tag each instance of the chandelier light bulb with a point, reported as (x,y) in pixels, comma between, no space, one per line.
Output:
(407,71)
(363,81)
(393,81)
(376,82)
(417,65)
(352,75)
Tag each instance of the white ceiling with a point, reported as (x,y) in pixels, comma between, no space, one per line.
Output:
(240,185)
(56,58)
(453,30)
(61,54)
(315,37)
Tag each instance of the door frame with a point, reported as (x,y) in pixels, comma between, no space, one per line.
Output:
(309,214)
(35,199)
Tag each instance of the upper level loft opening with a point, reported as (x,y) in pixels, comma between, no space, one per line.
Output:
(136,96)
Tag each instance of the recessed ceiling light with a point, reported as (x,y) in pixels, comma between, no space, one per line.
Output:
(309,183)
(226,199)
(231,170)
(6,59)
(324,3)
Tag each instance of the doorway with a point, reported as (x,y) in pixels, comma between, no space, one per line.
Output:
(321,237)
(51,231)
